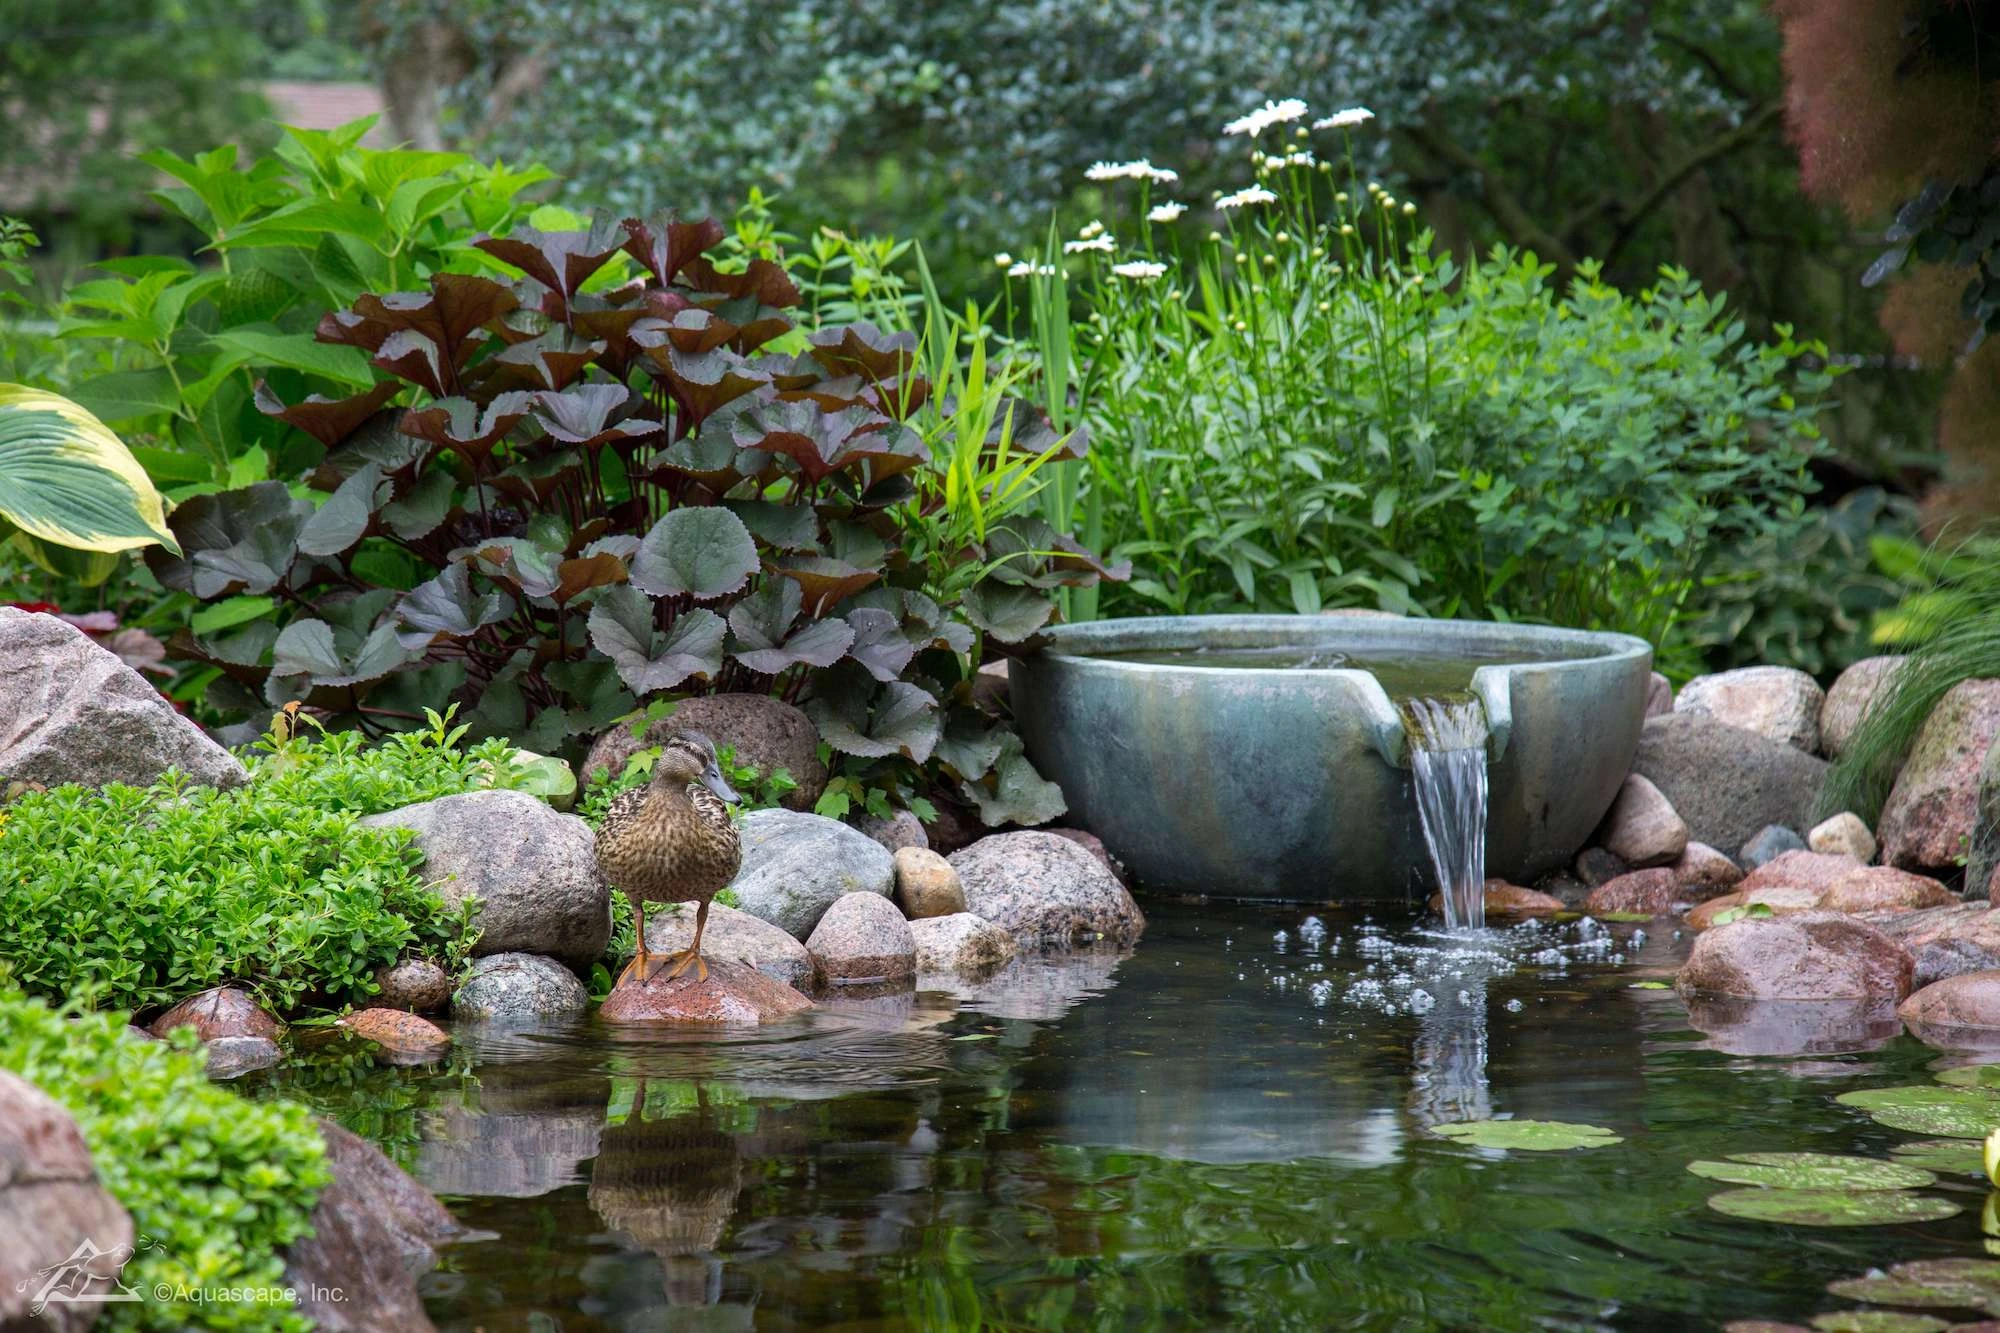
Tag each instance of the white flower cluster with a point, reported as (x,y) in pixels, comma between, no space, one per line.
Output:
(1254,194)
(1265,116)
(1341,120)
(1101,244)
(1141,170)
(1166,212)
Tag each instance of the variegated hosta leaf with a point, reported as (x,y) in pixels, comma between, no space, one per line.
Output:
(66,480)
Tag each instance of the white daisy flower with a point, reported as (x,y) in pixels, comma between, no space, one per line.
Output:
(1142,270)
(1166,212)
(1254,194)
(1265,116)
(1141,170)
(1340,120)
(1102,244)
(1301,158)
(1027,268)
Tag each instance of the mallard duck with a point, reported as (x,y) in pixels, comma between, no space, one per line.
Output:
(671,841)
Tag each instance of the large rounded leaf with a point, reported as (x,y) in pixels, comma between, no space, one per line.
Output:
(622,628)
(1832,1208)
(700,553)
(1813,1170)
(67,480)
(1927,1108)
(1528,1135)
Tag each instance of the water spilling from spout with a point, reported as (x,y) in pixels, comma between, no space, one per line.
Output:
(1448,754)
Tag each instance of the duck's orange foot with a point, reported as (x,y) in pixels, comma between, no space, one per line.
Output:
(682,961)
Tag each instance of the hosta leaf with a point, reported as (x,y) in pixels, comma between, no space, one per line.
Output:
(702,553)
(897,718)
(621,627)
(67,480)
(1016,793)
(1527,1135)
(343,519)
(1009,613)
(448,607)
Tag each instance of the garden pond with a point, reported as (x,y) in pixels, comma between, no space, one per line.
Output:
(1233,1125)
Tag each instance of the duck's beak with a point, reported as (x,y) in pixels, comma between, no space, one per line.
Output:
(711,778)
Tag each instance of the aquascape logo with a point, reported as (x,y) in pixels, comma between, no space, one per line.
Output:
(90,1276)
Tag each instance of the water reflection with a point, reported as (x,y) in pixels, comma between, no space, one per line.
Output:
(667,1175)
(1448,1059)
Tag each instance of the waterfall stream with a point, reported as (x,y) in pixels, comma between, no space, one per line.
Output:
(1448,755)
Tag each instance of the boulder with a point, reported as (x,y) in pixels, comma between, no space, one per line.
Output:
(1641,828)
(1803,956)
(374,1230)
(416,984)
(223,1011)
(1885,889)
(52,1211)
(1933,810)
(863,938)
(1982,858)
(900,830)
(70,711)
(1503,899)
(1659,696)
(954,829)
(1969,1000)
(731,995)
(1845,834)
(1655,892)
(1724,782)
(926,885)
(1596,865)
(1782,900)
(1769,843)
(1093,844)
(796,865)
(1945,941)
(1848,701)
(766,733)
(1800,870)
(533,870)
(1046,890)
(960,942)
(1780,703)
(522,988)
(1558,886)
(233,1057)
(735,937)
(1705,871)
(399,1031)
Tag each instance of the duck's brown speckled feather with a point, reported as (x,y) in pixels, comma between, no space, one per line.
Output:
(667,846)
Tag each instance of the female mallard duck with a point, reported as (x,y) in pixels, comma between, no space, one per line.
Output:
(671,841)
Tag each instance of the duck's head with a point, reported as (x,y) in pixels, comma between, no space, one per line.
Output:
(689,757)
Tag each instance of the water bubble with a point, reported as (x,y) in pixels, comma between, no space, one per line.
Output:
(1421,1001)
(1465,997)
(1281,940)
(1514,1006)
(1322,993)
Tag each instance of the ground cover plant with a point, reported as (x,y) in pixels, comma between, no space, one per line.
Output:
(135,897)
(217,1185)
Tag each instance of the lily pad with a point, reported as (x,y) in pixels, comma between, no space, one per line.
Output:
(1877,1321)
(1981,1273)
(1528,1135)
(1902,1291)
(1832,1208)
(1813,1171)
(1951,1157)
(1972,1076)
(1963,1113)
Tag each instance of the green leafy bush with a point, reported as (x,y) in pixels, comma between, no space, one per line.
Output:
(137,897)
(217,1185)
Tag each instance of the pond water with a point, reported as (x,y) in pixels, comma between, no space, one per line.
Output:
(1403,675)
(1227,1127)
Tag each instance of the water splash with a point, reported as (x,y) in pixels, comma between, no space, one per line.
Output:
(1448,754)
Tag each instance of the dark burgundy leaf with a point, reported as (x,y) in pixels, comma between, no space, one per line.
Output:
(328,420)
(766,282)
(823,582)
(460,424)
(665,245)
(561,261)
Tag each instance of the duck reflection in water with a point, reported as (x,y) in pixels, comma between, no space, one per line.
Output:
(671,1184)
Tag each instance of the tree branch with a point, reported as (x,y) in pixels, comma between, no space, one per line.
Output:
(1630,218)
(1521,229)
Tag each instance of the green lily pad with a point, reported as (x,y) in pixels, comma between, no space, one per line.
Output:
(1981,1273)
(1618,918)
(1878,1321)
(1832,1208)
(1951,1157)
(1972,1076)
(1813,1171)
(1528,1135)
(1930,1108)
(1903,1291)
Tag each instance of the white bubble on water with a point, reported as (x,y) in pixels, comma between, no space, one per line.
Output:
(1421,1001)
(1514,1006)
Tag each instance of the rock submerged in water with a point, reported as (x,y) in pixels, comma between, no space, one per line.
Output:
(1724,782)
(733,936)
(522,988)
(961,942)
(765,733)
(233,1057)
(1804,956)
(223,1011)
(1969,1000)
(1046,890)
(533,870)
(1932,812)
(398,1031)
(51,1205)
(1641,827)
(70,711)
(732,995)
(795,866)
(1779,703)
(863,938)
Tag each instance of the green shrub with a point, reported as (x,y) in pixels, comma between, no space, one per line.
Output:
(217,1185)
(137,897)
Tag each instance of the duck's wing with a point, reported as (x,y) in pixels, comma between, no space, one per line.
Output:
(710,807)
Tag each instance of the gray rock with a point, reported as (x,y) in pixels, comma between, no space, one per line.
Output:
(1845,834)
(863,938)
(533,870)
(1968,1000)
(1641,827)
(1046,890)
(1803,956)
(511,1138)
(1932,812)
(1771,842)
(1780,703)
(926,884)
(1596,866)
(767,734)
(733,936)
(1937,959)
(233,1057)
(519,988)
(70,711)
(373,1230)
(1847,702)
(1983,856)
(795,865)
(1800,869)
(51,1205)
(1724,782)
(961,942)
(1702,867)
(1093,844)
(416,984)
(1659,696)
(900,830)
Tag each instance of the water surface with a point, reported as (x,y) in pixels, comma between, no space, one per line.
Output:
(1403,675)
